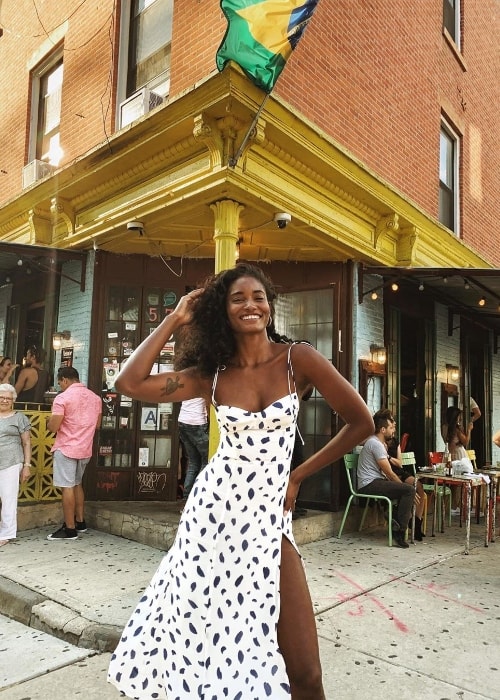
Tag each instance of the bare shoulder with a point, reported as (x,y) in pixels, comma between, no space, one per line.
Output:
(304,355)
(310,366)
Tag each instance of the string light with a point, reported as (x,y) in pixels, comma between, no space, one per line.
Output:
(394,286)
(466,284)
(421,287)
(374,296)
(482,301)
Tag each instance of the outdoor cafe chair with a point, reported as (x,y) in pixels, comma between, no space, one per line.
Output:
(480,506)
(442,490)
(471,454)
(351,464)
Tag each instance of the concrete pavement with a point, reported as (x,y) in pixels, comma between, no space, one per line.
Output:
(392,623)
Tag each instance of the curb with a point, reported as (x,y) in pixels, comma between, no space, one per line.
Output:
(39,612)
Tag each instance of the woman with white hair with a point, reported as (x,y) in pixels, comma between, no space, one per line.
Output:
(15,458)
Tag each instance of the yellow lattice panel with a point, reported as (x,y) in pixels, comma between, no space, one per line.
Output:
(39,486)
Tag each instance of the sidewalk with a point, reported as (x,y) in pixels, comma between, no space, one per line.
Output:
(393,623)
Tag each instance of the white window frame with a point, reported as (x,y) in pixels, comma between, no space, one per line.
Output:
(37,75)
(123,58)
(457,12)
(455,137)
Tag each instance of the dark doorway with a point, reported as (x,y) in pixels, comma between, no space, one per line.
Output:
(412,385)
(35,323)
(478,360)
(410,337)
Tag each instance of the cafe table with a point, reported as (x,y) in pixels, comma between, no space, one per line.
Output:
(466,482)
(494,475)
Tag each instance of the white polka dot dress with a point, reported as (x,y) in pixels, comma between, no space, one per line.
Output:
(206,627)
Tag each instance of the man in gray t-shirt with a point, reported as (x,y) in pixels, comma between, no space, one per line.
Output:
(375,476)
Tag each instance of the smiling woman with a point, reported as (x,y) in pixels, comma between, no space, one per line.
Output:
(234,570)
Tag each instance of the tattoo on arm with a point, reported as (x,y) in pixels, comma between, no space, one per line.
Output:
(171,386)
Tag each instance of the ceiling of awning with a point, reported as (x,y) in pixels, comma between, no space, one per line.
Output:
(461,289)
(17,259)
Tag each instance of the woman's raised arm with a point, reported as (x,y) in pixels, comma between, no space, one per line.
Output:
(135,378)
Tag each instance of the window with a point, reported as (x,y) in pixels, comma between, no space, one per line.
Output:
(46,83)
(149,46)
(451,19)
(448,177)
(144,63)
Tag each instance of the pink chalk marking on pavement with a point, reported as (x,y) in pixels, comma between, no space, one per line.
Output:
(399,623)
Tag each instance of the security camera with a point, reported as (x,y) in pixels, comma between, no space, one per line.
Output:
(282,219)
(135,226)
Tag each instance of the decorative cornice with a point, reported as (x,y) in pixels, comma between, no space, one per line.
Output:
(40,227)
(131,175)
(349,201)
(63,218)
(386,224)
(407,244)
(208,132)
(18,222)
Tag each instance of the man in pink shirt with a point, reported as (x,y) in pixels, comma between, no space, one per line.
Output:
(76,415)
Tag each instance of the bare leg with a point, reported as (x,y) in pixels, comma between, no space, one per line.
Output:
(79,503)
(297,635)
(68,504)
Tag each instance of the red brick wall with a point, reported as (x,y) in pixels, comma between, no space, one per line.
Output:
(374,75)
(87,101)
(198,28)
(377,76)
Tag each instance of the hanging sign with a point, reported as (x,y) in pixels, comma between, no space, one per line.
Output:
(67,357)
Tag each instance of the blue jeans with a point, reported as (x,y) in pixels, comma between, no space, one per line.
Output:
(195,441)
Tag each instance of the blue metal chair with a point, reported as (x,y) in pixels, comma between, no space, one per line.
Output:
(351,464)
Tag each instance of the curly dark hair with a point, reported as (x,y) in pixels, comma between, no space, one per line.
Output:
(208,342)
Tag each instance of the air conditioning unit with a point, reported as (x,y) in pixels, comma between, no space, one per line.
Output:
(36,170)
(137,105)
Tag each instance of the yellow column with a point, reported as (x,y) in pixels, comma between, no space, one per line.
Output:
(227,216)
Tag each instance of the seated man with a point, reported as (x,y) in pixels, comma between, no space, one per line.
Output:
(376,477)
(407,476)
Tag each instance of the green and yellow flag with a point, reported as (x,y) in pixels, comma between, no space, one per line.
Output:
(261,35)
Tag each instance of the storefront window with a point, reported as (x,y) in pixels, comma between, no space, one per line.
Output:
(135,437)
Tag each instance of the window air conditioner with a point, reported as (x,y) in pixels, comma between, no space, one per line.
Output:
(36,170)
(137,105)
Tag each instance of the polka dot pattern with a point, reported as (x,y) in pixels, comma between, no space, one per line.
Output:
(206,626)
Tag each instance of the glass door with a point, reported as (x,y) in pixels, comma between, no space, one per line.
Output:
(136,441)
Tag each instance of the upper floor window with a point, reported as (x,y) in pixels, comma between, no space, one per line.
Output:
(149,47)
(449,150)
(451,19)
(46,83)
(146,37)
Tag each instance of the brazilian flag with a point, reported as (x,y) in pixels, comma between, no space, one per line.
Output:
(261,35)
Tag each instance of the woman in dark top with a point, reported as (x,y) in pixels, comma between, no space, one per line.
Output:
(33,380)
